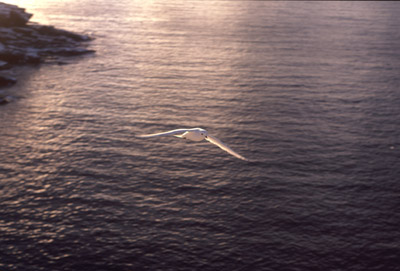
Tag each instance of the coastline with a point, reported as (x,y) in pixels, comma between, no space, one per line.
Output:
(26,43)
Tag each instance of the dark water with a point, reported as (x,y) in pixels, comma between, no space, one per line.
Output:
(309,89)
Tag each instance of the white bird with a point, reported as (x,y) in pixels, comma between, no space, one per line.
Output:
(196,134)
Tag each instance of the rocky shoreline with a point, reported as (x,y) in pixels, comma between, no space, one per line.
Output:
(26,43)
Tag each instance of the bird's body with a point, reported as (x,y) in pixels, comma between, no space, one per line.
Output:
(196,134)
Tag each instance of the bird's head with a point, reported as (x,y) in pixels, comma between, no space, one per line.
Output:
(203,133)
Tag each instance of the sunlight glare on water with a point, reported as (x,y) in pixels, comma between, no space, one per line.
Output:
(308,89)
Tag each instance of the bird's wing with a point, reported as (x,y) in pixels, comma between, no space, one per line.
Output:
(220,144)
(173,132)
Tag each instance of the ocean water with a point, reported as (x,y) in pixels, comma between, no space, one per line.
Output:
(310,90)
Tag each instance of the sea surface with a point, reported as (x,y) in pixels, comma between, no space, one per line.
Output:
(309,90)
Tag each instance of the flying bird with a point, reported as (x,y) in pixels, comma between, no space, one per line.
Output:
(196,134)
